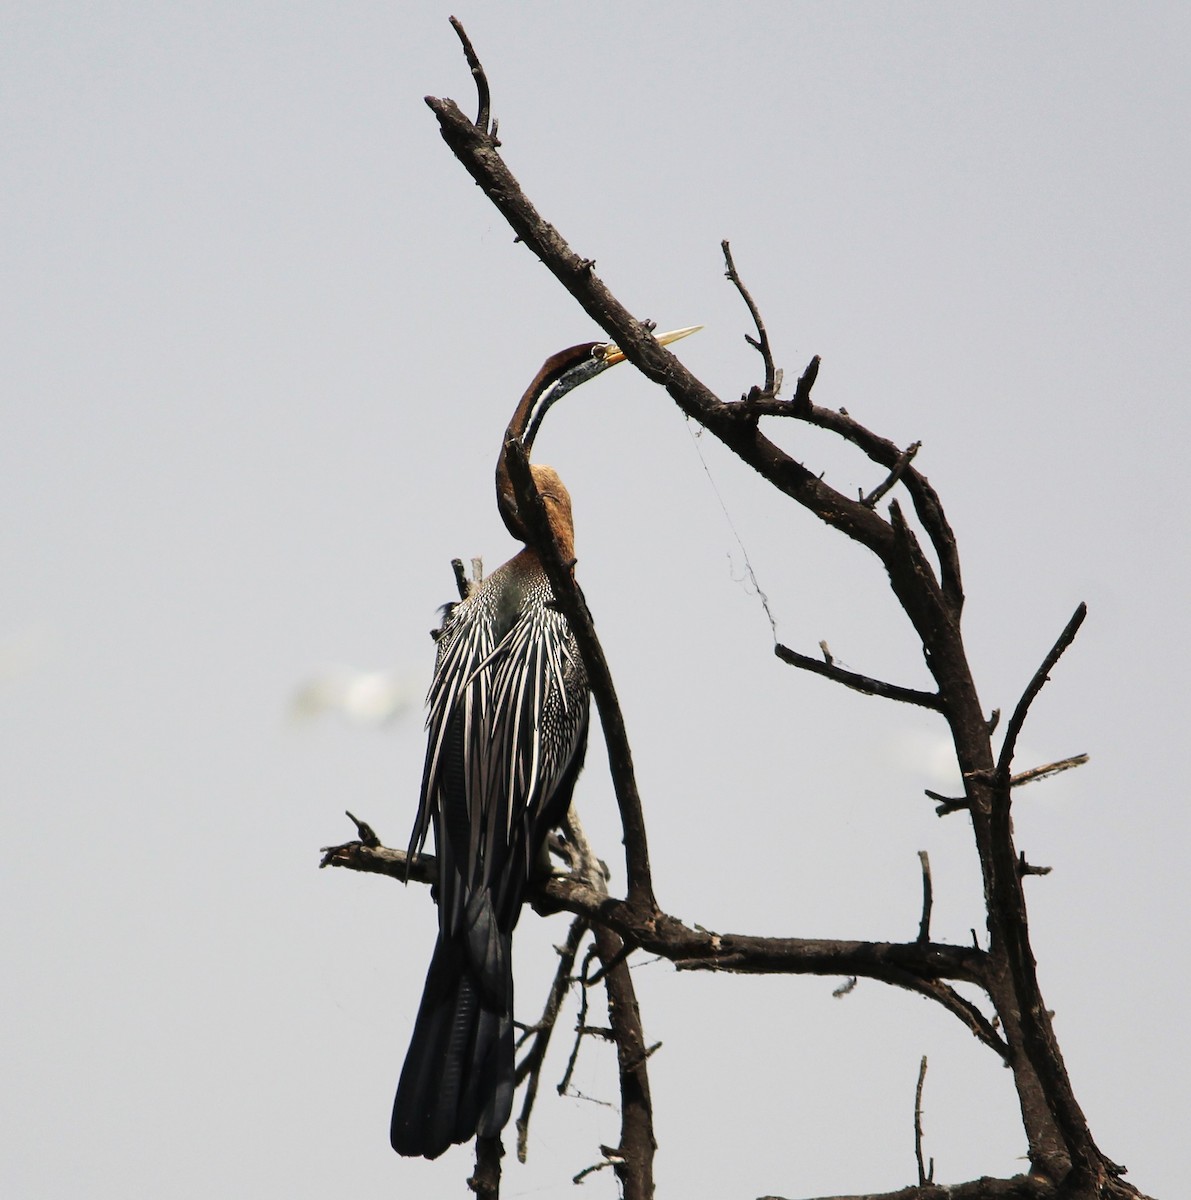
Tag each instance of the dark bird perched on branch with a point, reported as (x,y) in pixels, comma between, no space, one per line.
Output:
(507,722)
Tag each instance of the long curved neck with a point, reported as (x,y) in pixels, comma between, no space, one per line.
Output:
(557,376)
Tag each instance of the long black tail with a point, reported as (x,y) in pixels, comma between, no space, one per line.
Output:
(458,1075)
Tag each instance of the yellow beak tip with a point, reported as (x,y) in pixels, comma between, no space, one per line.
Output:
(613,353)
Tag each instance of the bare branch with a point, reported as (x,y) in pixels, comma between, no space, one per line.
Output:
(693,947)
(859,683)
(1027,868)
(924,1176)
(488,169)
(581,1026)
(899,467)
(485,1180)
(761,342)
(948,804)
(1045,772)
(1005,759)
(530,1067)
(963,1010)
(927,504)
(610,1159)
(477,71)
(633,1160)
(927,897)
(573,606)
(375,859)
(586,866)
(462,583)
(1020,1187)
(801,403)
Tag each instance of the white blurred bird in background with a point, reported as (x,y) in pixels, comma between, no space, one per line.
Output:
(361,697)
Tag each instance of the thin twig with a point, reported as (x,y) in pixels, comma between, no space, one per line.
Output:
(924,1176)
(948,804)
(462,583)
(881,450)
(904,459)
(530,1067)
(927,897)
(964,1010)
(800,405)
(1044,772)
(586,866)
(859,683)
(610,1159)
(761,342)
(1005,759)
(581,1026)
(623,956)
(477,70)
(1027,868)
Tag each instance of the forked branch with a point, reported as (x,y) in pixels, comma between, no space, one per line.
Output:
(761,342)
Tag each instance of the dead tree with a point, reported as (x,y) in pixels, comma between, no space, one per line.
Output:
(918,552)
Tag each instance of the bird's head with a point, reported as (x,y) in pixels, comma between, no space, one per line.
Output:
(560,373)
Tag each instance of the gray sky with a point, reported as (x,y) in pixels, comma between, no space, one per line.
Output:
(261,336)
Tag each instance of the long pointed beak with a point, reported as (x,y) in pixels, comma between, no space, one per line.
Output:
(613,353)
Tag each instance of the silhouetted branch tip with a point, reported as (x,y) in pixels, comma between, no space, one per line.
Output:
(1024,868)
(462,583)
(483,95)
(801,403)
(761,342)
(1009,746)
(924,1176)
(904,460)
(1049,769)
(949,804)
(927,897)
